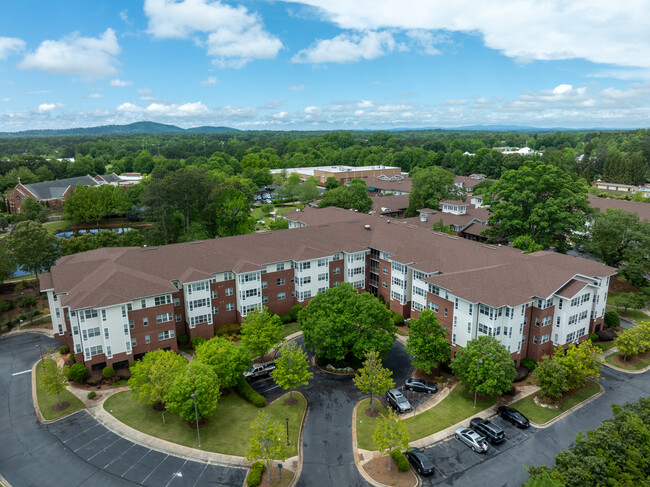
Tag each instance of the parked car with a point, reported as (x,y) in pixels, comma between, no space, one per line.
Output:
(258,370)
(472,439)
(419,385)
(513,416)
(397,401)
(420,462)
(490,431)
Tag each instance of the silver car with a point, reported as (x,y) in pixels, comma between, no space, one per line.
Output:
(472,439)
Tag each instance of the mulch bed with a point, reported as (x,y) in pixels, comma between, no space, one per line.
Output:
(372,413)
(202,423)
(61,407)
(291,401)
(618,285)
(618,360)
(276,481)
(377,468)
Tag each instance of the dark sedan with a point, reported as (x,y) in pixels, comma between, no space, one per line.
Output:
(420,462)
(513,416)
(420,386)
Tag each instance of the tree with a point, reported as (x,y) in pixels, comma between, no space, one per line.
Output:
(390,434)
(537,200)
(353,196)
(156,200)
(440,226)
(267,441)
(292,368)
(33,210)
(373,378)
(7,262)
(629,300)
(153,375)
(612,319)
(35,249)
(527,244)
(55,378)
(228,360)
(628,344)
(200,380)
(494,376)
(427,342)
(581,362)
(429,186)
(340,321)
(331,183)
(27,304)
(618,236)
(233,213)
(551,377)
(260,331)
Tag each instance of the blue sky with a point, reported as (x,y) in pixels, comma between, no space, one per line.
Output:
(325,64)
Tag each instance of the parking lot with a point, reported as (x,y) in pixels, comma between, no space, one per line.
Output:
(452,456)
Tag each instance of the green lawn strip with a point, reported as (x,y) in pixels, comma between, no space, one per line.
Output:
(284,210)
(227,431)
(637,366)
(46,401)
(605,345)
(57,225)
(291,328)
(631,314)
(541,415)
(456,407)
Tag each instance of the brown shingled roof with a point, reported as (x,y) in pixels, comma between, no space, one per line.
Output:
(572,288)
(641,209)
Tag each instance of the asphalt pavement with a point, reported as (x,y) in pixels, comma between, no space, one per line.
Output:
(77,450)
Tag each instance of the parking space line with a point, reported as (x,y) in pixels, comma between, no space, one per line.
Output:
(107,447)
(91,441)
(440,472)
(79,434)
(135,463)
(205,466)
(176,474)
(154,469)
(270,389)
(118,456)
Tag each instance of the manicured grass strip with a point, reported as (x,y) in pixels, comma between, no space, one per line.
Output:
(57,225)
(637,366)
(631,314)
(456,407)
(605,345)
(541,415)
(227,431)
(291,328)
(46,401)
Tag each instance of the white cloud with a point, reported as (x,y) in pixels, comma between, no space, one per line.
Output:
(297,88)
(365,104)
(144,91)
(346,48)
(599,31)
(211,81)
(120,83)
(93,57)
(562,89)
(280,115)
(6,99)
(312,110)
(94,95)
(10,45)
(46,107)
(129,107)
(124,15)
(235,36)
(426,40)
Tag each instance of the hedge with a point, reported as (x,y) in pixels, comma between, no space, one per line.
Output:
(529,363)
(78,373)
(245,390)
(254,477)
(64,350)
(400,460)
(108,372)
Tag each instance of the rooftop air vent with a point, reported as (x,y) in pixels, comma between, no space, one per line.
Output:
(367,227)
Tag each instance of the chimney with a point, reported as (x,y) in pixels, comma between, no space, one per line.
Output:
(423,217)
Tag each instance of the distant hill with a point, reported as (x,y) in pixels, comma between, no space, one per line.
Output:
(130,129)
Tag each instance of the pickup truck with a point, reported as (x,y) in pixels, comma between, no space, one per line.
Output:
(258,370)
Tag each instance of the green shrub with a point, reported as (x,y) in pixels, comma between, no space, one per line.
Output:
(612,319)
(73,357)
(196,342)
(254,477)
(645,290)
(245,390)
(400,460)
(91,394)
(36,312)
(593,337)
(398,319)
(183,339)
(285,319)
(108,372)
(295,309)
(5,305)
(231,328)
(20,286)
(21,317)
(529,363)
(78,373)
(64,350)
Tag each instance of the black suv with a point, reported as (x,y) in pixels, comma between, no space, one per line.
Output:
(420,462)
(397,401)
(490,431)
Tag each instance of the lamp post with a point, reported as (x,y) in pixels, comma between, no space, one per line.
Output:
(40,347)
(287,421)
(478,366)
(196,415)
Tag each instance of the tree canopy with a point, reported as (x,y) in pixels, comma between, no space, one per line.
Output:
(427,342)
(198,379)
(152,376)
(292,367)
(373,378)
(353,195)
(260,331)
(35,249)
(341,321)
(227,359)
(429,186)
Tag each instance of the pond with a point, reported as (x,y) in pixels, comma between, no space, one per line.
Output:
(76,233)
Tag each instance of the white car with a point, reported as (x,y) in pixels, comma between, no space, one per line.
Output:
(472,439)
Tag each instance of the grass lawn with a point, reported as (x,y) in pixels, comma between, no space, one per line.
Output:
(541,415)
(291,328)
(46,401)
(636,366)
(631,314)
(456,407)
(605,345)
(57,225)
(227,431)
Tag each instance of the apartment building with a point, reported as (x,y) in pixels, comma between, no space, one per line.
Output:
(113,305)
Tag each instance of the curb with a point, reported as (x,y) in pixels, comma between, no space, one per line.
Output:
(571,410)
(357,462)
(37,409)
(4,481)
(296,475)
(626,371)
(38,331)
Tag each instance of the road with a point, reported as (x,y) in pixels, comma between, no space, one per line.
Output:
(78,451)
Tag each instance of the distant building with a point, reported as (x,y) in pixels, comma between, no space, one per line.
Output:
(50,193)
(641,209)
(615,187)
(396,184)
(343,174)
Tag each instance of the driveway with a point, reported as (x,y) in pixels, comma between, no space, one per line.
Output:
(78,451)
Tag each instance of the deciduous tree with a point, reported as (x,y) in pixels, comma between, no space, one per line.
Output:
(390,434)
(429,186)
(292,368)
(198,379)
(373,378)
(551,377)
(228,360)
(35,249)
(260,331)
(55,378)
(581,362)
(152,376)
(267,441)
(7,262)
(427,342)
